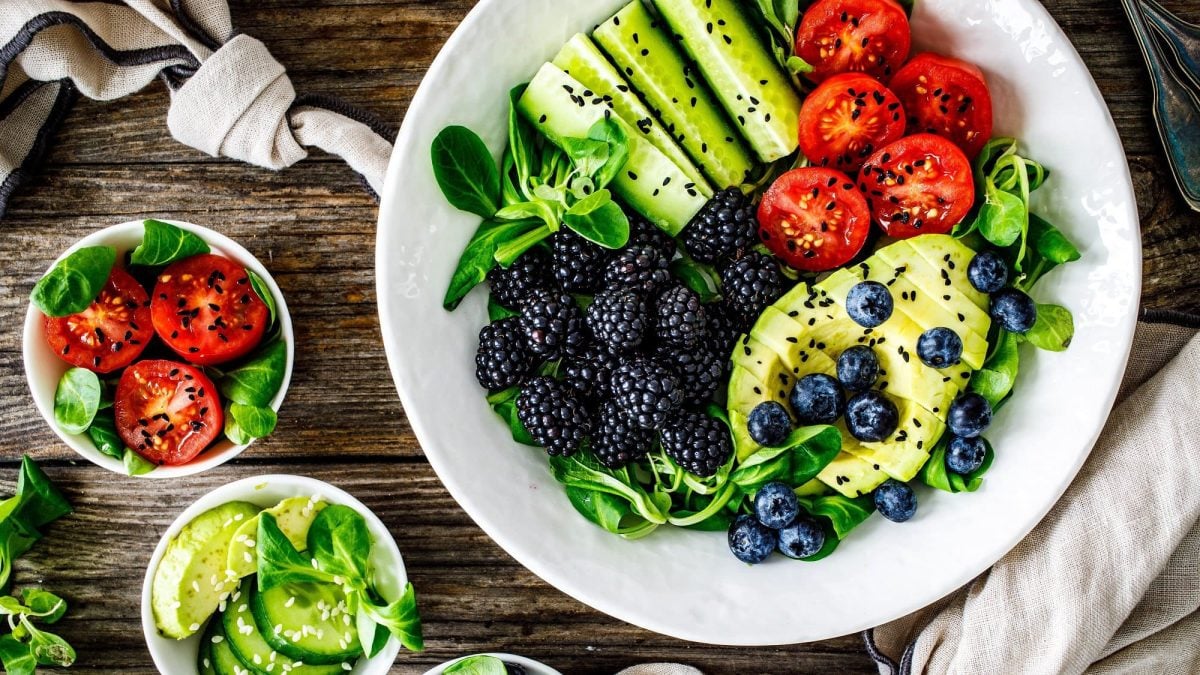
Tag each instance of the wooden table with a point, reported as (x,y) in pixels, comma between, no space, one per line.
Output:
(314,227)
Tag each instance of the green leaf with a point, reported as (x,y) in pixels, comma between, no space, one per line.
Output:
(367,628)
(798,66)
(256,381)
(73,283)
(340,541)
(479,257)
(135,464)
(715,507)
(1002,217)
(477,665)
(103,433)
(264,293)
(702,279)
(164,243)
(252,420)
(1053,330)
(998,375)
(37,501)
(609,132)
(279,562)
(12,606)
(588,155)
(234,431)
(599,220)
(48,649)
(581,470)
(465,171)
(46,606)
(17,656)
(400,617)
(508,252)
(76,400)
(496,311)
(1047,241)
(801,457)
(505,404)
(522,144)
(843,513)
(601,508)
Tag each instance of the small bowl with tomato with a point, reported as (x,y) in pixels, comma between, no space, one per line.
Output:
(158,348)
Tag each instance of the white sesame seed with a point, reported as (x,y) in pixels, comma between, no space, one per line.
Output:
(247,557)
(250,543)
(216,639)
(195,585)
(236,596)
(176,605)
(257,660)
(207,663)
(347,666)
(278,629)
(290,601)
(241,538)
(238,516)
(314,563)
(194,627)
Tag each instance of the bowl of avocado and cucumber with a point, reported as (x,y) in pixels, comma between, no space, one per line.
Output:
(278,573)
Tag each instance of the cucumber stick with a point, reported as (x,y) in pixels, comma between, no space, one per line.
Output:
(650,182)
(671,86)
(742,73)
(582,60)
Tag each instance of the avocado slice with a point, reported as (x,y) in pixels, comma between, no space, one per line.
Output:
(190,579)
(294,516)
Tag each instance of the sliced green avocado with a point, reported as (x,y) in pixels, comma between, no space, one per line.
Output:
(902,455)
(945,252)
(851,476)
(190,579)
(294,516)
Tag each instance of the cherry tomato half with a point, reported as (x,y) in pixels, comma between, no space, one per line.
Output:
(110,333)
(205,309)
(921,184)
(167,412)
(846,119)
(842,36)
(948,97)
(814,218)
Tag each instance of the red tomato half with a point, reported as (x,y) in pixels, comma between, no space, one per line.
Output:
(167,412)
(205,309)
(842,36)
(846,119)
(110,333)
(920,184)
(814,218)
(948,97)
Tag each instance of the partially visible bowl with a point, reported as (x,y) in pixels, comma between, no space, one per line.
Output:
(178,657)
(531,667)
(43,368)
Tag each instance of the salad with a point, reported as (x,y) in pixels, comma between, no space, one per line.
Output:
(172,348)
(753,268)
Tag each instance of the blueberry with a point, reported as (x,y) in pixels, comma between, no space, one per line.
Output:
(896,501)
(939,347)
(869,303)
(871,416)
(802,538)
(1013,310)
(969,415)
(817,399)
(965,455)
(769,423)
(857,368)
(751,541)
(987,272)
(776,505)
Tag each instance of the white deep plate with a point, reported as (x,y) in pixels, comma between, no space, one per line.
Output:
(687,584)
(531,667)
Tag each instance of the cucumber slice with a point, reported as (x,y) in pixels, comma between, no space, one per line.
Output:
(216,656)
(313,621)
(673,88)
(742,73)
(650,181)
(251,648)
(580,59)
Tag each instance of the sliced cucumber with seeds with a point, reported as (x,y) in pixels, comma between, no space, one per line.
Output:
(650,181)
(580,59)
(307,622)
(216,656)
(251,648)
(673,88)
(743,74)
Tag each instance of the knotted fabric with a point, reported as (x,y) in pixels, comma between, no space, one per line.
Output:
(229,96)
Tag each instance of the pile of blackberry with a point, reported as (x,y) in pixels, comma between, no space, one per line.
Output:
(612,354)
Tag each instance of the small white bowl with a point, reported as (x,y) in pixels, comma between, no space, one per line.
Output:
(531,667)
(178,657)
(43,368)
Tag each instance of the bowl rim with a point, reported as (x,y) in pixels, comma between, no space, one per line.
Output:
(33,342)
(245,489)
(534,667)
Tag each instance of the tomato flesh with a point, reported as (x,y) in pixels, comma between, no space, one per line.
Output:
(205,309)
(846,119)
(921,184)
(110,333)
(842,36)
(814,218)
(948,97)
(167,412)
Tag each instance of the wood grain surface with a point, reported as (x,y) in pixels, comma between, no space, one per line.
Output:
(314,227)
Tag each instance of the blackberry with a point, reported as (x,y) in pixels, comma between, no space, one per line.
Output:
(509,284)
(698,443)
(618,319)
(723,327)
(751,283)
(578,263)
(589,372)
(552,322)
(554,415)
(724,227)
(679,317)
(645,233)
(639,268)
(503,359)
(647,391)
(617,440)
(699,370)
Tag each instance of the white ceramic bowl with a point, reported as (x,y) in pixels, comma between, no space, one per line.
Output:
(531,667)
(178,657)
(43,368)
(686,584)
